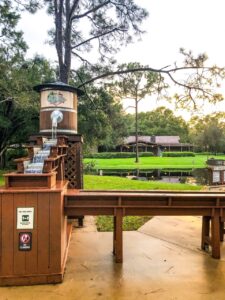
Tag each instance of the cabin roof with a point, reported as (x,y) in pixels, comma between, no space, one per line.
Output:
(141,139)
(155,140)
(166,139)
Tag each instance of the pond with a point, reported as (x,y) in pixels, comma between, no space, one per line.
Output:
(193,176)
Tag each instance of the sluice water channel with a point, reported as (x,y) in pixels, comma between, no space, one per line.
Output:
(36,166)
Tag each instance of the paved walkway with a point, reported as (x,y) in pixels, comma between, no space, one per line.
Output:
(184,231)
(161,262)
(89,225)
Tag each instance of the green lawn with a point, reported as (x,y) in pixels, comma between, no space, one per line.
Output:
(152,162)
(2,182)
(118,183)
(105,223)
(93,182)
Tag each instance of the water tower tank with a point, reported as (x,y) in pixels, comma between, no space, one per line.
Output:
(62,97)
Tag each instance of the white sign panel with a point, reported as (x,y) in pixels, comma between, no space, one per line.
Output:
(216,177)
(25,218)
(54,98)
(217,168)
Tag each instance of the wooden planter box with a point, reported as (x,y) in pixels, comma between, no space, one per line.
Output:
(18,180)
(45,261)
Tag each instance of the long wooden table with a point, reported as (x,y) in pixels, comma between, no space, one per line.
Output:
(209,205)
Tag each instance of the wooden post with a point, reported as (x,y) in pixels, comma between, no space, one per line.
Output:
(205,231)
(30,151)
(118,235)
(60,170)
(114,235)
(221,230)
(215,233)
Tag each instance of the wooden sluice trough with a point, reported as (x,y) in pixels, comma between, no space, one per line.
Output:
(211,206)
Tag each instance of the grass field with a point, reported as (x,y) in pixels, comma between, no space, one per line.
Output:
(152,162)
(93,182)
(1,177)
(105,223)
(118,183)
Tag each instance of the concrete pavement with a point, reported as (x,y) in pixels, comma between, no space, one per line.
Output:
(162,261)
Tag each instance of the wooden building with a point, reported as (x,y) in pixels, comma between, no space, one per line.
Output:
(155,144)
(145,144)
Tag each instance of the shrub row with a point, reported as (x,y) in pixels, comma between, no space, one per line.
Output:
(117,155)
(209,153)
(178,154)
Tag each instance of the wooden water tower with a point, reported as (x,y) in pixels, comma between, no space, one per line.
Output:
(63,97)
(34,230)
(58,96)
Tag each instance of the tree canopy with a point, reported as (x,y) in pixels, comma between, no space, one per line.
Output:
(101,120)
(18,103)
(81,26)
(102,27)
(135,86)
(208,132)
(160,121)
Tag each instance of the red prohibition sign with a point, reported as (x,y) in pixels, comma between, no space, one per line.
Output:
(25,238)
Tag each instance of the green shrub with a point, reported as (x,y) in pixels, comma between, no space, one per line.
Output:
(145,154)
(117,155)
(209,153)
(178,154)
(89,167)
(12,154)
(203,153)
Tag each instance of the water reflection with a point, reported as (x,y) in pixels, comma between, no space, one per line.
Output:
(193,176)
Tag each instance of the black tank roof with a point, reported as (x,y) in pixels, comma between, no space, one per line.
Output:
(58,85)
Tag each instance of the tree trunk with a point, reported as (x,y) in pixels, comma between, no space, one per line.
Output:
(2,158)
(136,130)
(63,73)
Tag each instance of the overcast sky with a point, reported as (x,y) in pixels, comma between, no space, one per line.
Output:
(198,25)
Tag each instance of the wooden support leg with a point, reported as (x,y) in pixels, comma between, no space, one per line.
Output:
(81,221)
(205,231)
(221,231)
(114,235)
(119,236)
(215,236)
